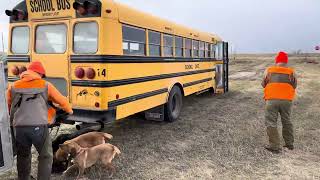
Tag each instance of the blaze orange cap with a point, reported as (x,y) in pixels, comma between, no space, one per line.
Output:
(37,67)
(282,57)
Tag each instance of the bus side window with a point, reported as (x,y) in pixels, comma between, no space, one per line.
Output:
(134,41)
(168,45)
(206,50)
(195,47)
(179,46)
(213,50)
(220,45)
(188,47)
(154,43)
(219,50)
(201,52)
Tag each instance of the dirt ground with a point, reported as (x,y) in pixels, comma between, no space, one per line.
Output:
(222,136)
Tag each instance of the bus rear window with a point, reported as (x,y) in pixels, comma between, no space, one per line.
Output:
(20,40)
(51,39)
(85,39)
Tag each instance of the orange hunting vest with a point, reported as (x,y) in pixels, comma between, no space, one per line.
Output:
(30,104)
(280,84)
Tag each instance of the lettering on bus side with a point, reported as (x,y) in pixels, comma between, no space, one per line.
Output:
(47,5)
(191,66)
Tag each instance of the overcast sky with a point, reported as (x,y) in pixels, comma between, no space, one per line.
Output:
(249,25)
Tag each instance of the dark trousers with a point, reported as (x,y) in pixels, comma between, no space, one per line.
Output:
(39,137)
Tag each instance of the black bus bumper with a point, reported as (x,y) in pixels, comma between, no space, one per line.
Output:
(91,116)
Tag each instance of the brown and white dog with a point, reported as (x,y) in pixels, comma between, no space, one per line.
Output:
(87,140)
(87,157)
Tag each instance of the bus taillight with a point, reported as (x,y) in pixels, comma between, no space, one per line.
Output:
(85,7)
(91,73)
(91,7)
(79,7)
(15,70)
(17,15)
(79,72)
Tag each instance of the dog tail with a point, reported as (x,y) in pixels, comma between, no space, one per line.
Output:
(116,150)
(107,136)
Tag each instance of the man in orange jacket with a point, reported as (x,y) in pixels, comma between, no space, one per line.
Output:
(279,85)
(30,115)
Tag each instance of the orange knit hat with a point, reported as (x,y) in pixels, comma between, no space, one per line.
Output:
(37,67)
(282,57)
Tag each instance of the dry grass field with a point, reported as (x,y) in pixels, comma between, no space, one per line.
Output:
(222,136)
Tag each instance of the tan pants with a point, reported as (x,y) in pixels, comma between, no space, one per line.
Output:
(272,111)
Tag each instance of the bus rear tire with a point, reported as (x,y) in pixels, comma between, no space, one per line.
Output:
(173,107)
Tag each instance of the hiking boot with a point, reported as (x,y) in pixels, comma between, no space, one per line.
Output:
(274,151)
(290,147)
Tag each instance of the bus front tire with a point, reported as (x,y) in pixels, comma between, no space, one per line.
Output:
(174,105)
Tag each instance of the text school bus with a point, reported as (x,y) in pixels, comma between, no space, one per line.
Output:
(113,61)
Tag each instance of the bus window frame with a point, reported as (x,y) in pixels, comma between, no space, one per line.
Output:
(98,37)
(55,23)
(30,35)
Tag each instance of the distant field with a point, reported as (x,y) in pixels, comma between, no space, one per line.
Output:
(221,136)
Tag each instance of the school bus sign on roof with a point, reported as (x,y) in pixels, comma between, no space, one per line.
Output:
(38,9)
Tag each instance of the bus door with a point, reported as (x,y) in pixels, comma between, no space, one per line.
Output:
(226,66)
(51,47)
(6,152)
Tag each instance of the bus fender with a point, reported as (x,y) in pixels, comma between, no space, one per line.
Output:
(175,84)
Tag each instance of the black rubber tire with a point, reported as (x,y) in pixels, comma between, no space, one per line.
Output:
(173,107)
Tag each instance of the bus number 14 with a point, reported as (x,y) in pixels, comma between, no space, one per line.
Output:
(102,72)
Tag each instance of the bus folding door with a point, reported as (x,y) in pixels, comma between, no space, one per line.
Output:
(6,153)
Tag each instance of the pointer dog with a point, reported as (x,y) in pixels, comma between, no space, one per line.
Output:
(87,140)
(87,157)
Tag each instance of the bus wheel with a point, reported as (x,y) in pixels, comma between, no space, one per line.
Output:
(174,105)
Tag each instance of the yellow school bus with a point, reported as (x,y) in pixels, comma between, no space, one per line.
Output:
(112,61)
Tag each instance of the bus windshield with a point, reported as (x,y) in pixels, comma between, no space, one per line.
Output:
(20,40)
(51,39)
